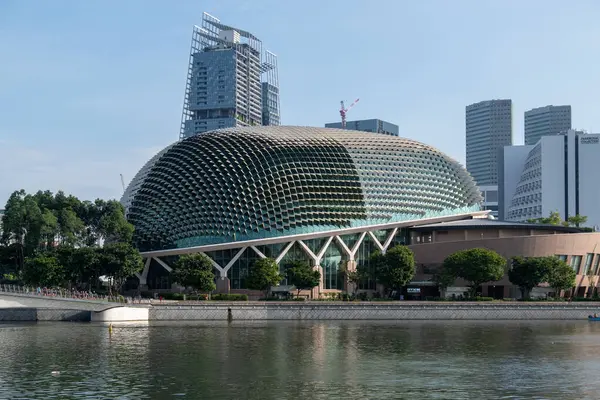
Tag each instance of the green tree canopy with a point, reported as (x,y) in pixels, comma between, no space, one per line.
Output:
(303,276)
(555,219)
(399,267)
(119,261)
(443,278)
(264,274)
(43,271)
(44,220)
(475,266)
(354,277)
(195,271)
(560,276)
(527,273)
(394,269)
(576,220)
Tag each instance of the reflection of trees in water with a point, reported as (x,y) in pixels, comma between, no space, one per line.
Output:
(87,359)
(301,358)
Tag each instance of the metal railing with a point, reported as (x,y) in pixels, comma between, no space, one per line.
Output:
(62,293)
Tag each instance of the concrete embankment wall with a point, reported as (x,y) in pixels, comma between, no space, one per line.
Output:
(25,314)
(313,311)
(375,311)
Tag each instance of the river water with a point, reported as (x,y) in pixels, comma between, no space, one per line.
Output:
(301,360)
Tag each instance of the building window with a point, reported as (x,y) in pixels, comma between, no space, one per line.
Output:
(576,263)
(588,263)
(596,264)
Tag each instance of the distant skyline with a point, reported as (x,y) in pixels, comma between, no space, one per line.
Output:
(89,90)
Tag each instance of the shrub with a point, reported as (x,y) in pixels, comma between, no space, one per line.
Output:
(481,298)
(230,297)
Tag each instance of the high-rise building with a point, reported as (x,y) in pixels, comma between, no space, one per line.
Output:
(231,81)
(368,125)
(558,173)
(546,121)
(488,130)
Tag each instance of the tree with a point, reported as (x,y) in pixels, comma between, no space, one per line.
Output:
(303,276)
(195,271)
(560,276)
(475,266)
(443,279)
(82,265)
(527,273)
(112,225)
(43,271)
(13,220)
(399,267)
(555,219)
(576,220)
(62,227)
(119,261)
(264,274)
(395,268)
(354,277)
(71,227)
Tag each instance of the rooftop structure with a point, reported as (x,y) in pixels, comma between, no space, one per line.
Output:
(231,80)
(368,125)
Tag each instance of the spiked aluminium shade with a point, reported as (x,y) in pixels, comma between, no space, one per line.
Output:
(258,182)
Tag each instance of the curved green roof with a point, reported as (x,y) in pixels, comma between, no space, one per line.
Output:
(259,182)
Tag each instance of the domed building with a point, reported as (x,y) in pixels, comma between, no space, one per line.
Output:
(328,196)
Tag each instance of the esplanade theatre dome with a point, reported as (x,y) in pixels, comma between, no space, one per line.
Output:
(260,182)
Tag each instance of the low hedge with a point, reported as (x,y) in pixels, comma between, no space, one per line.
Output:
(229,297)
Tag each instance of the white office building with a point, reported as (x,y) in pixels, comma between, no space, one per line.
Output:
(558,173)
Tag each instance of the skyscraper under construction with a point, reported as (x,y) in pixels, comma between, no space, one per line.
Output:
(231,81)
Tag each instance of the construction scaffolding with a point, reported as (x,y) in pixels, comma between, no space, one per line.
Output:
(262,100)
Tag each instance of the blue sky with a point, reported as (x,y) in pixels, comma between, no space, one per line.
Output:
(91,89)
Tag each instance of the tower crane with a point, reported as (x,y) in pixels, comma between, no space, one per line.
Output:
(344,110)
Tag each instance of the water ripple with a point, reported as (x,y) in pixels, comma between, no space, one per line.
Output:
(287,360)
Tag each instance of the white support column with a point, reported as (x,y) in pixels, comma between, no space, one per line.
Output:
(351,253)
(234,259)
(391,237)
(284,251)
(222,273)
(316,258)
(257,251)
(383,247)
(144,275)
(308,252)
(323,250)
(319,256)
(376,241)
(163,264)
